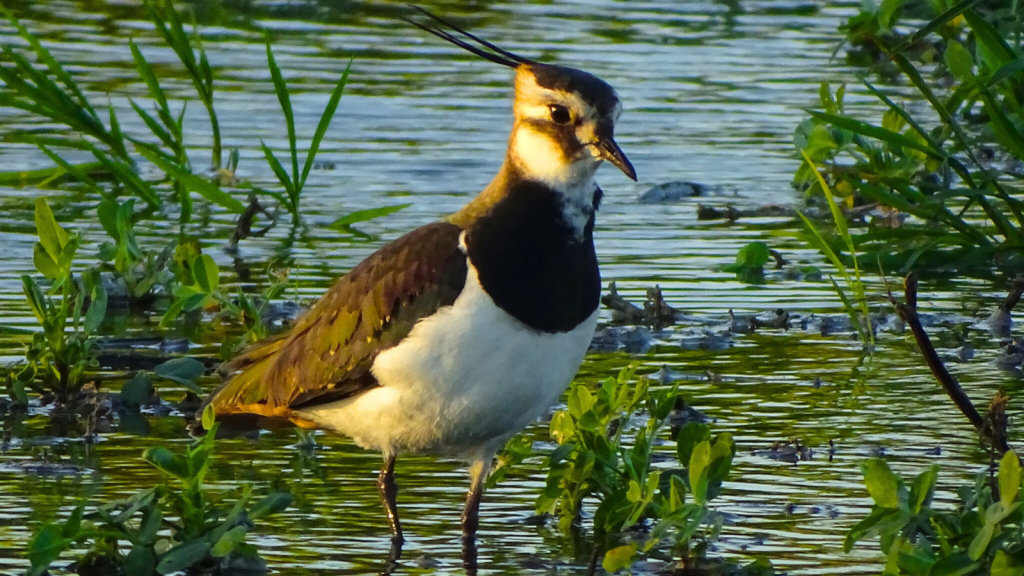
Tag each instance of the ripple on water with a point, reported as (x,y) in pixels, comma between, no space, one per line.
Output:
(713,92)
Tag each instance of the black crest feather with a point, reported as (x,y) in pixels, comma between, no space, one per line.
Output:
(449,32)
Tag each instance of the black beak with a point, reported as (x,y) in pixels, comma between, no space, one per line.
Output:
(610,151)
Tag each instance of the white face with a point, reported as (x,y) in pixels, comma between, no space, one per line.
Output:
(554,137)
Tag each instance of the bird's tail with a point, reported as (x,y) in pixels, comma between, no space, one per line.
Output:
(240,403)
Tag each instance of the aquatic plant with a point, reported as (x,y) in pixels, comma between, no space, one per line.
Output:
(983,535)
(60,353)
(947,193)
(600,456)
(294,183)
(857,309)
(165,529)
(138,271)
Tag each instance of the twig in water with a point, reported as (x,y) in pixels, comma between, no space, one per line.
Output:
(908,312)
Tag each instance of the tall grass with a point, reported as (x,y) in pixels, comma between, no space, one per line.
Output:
(966,212)
(857,309)
(294,182)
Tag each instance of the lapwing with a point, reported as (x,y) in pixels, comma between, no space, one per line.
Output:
(456,336)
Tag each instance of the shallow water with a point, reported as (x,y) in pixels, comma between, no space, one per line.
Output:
(713,92)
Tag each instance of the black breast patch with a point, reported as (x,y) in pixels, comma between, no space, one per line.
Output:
(531,262)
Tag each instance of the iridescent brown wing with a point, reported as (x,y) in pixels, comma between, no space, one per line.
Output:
(327,355)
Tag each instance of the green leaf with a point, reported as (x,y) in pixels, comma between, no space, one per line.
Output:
(869,526)
(209,418)
(993,51)
(923,488)
(167,461)
(36,300)
(1005,130)
(44,264)
(51,235)
(363,215)
(183,556)
(324,124)
(281,89)
(865,129)
(198,184)
(959,61)
(106,211)
(881,483)
(226,544)
(97,310)
(699,462)
(184,370)
(981,541)
(692,434)
(887,13)
(137,391)
(206,273)
(634,493)
(141,560)
(1005,565)
(270,504)
(1009,478)
(282,176)
(46,547)
(619,558)
(74,522)
(958,565)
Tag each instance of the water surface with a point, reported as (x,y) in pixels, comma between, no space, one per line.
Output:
(712,91)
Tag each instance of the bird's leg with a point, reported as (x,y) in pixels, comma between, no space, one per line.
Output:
(471,514)
(388,495)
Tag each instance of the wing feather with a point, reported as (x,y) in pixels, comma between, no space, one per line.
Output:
(328,353)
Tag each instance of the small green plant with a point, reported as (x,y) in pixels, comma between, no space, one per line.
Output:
(983,535)
(59,354)
(750,261)
(139,271)
(293,183)
(171,528)
(594,461)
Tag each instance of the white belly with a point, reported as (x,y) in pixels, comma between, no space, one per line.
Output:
(464,381)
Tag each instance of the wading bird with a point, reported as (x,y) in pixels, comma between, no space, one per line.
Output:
(456,336)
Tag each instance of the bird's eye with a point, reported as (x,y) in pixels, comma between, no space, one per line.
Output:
(559,114)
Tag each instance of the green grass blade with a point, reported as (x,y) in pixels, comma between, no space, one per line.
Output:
(127,176)
(910,120)
(994,50)
(1008,70)
(324,124)
(146,72)
(278,169)
(837,214)
(281,89)
(819,242)
(153,125)
(1004,129)
(850,310)
(80,171)
(200,185)
(51,63)
(364,215)
(876,132)
(935,24)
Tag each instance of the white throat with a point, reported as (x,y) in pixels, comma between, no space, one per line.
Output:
(541,160)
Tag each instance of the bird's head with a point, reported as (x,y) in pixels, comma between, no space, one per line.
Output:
(564,118)
(564,124)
